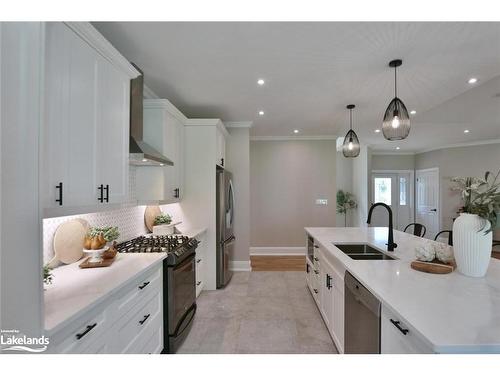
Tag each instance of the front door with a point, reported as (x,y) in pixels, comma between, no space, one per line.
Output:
(427,197)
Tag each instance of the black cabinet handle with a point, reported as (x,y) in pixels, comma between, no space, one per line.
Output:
(101,193)
(328,281)
(87,330)
(198,283)
(176,193)
(397,323)
(316,246)
(316,259)
(141,322)
(307,267)
(316,272)
(60,188)
(315,291)
(107,193)
(222,162)
(141,287)
(198,261)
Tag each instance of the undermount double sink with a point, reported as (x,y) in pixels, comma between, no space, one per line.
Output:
(362,252)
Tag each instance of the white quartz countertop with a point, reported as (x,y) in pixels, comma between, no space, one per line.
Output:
(75,291)
(452,312)
(190,232)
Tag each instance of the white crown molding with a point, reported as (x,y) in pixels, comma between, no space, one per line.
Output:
(208,122)
(90,34)
(166,105)
(465,144)
(294,138)
(273,251)
(149,94)
(238,124)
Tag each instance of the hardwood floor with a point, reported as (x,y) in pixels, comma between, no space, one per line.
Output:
(278,263)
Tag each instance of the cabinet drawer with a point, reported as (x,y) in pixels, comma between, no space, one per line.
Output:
(144,287)
(129,330)
(399,341)
(150,339)
(84,335)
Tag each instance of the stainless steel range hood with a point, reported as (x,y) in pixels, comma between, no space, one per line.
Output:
(141,154)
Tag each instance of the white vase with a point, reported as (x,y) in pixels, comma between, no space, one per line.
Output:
(471,246)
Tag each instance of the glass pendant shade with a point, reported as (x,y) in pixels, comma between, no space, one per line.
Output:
(350,147)
(396,124)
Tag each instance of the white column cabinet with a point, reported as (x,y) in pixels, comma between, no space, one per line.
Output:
(221,148)
(86,124)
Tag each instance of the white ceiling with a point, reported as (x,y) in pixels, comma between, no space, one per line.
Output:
(313,70)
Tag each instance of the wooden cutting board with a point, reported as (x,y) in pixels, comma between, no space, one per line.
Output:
(68,241)
(150,215)
(102,263)
(433,267)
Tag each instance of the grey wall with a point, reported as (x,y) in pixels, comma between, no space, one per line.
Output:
(393,162)
(238,162)
(286,177)
(470,161)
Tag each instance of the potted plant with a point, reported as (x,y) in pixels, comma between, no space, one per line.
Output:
(162,224)
(345,202)
(48,277)
(472,230)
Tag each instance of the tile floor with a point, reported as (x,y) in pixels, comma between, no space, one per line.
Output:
(259,312)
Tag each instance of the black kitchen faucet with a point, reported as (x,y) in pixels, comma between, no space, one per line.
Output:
(390,242)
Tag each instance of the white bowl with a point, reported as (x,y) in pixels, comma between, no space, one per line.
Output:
(95,255)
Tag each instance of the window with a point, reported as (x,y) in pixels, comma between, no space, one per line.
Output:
(402,191)
(382,186)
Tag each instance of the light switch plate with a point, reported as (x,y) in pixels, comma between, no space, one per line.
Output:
(323,202)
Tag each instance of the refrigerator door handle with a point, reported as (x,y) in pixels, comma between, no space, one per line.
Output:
(230,239)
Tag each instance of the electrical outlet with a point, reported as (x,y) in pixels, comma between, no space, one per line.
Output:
(322,202)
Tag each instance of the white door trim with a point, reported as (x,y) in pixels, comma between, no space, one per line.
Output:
(439,194)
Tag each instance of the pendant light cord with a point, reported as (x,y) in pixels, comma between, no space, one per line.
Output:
(350,118)
(395,82)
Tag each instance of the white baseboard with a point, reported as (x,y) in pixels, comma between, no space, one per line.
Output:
(277,251)
(240,265)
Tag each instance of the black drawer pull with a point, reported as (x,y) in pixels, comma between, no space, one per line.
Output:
(316,246)
(328,281)
(316,272)
(141,287)
(397,323)
(141,322)
(87,330)
(198,261)
(198,283)
(107,193)
(315,291)
(307,267)
(60,188)
(316,259)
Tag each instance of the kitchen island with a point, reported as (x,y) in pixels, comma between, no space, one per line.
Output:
(448,313)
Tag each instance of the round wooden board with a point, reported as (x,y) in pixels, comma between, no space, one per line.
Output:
(68,241)
(150,214)
(433,267)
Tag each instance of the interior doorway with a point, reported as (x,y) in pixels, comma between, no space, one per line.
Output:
(428,209)
(394,188)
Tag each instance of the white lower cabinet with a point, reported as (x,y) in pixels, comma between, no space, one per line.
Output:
(326,283)
(396,337)
(130,321)
(200,264)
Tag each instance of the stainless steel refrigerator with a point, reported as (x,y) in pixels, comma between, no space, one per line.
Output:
(225,224)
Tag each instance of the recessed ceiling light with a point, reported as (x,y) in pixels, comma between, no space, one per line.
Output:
(466,131)
(397,148)
(472,80)
(413,112)
(295,131)
(261,113)
(260,82)
(377,130)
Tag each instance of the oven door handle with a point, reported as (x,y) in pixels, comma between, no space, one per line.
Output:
(176,332)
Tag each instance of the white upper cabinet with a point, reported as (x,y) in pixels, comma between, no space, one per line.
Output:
(163,130)
(221,148)
(86,125)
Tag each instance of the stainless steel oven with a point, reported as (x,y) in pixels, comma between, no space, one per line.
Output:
(179,306)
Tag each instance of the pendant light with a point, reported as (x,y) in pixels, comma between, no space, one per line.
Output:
(350,147)
(396,123)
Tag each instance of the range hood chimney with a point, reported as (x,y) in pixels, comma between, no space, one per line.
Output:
(141,154)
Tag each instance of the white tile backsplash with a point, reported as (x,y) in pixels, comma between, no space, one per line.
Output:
(129,220)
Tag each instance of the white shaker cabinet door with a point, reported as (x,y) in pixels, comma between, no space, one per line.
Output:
(70,119)
(112,135)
